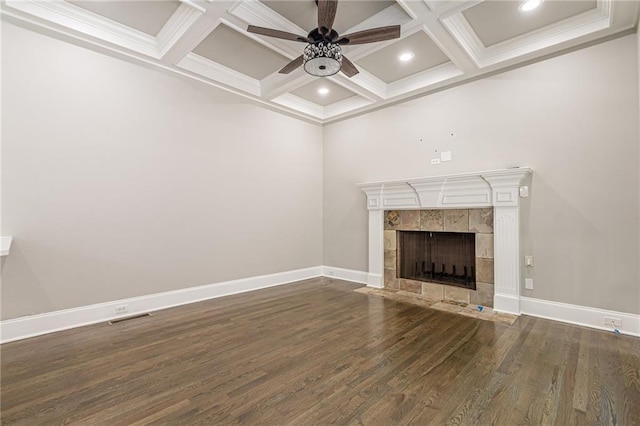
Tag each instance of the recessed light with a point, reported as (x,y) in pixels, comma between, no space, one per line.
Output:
(323,90)
(406,56)
(529,5)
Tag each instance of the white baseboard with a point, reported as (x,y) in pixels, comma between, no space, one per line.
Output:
(35,325)
(579,315)
(345,274)
(506,303)
(375,280)
(556,311)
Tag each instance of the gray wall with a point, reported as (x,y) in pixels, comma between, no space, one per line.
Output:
(118,181)
(573,119)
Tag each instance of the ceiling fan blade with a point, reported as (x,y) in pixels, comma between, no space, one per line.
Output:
(370,36)
(292,65)
(326,15)
(276,33)
(348,68)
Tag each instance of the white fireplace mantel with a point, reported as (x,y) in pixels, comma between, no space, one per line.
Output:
(496,188)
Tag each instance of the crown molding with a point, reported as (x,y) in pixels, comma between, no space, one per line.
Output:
(214,71)
(424,79)
(78,19)
(85,22)
(297,103)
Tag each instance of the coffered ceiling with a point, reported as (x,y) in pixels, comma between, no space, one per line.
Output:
(447,42)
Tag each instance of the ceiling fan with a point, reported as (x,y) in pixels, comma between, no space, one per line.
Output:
(323,55)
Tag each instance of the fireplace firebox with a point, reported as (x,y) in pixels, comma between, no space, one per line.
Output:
(440,257)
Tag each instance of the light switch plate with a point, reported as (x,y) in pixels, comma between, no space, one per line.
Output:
(445,156)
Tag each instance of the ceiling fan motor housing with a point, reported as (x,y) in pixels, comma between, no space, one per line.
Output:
(322,58)
(323,55)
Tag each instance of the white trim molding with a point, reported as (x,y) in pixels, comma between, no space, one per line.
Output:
(359,277)
(36,325)
(50,322)
(496,188)
(91,24)
(217,72)
(581,315)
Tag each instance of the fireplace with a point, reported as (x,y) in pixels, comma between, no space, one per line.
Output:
(438,257)
(418,204)
(442,239)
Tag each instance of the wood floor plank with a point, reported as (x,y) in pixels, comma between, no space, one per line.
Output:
(316,352)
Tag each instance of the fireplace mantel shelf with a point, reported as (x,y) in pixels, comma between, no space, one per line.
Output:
(499,189)
(466,190)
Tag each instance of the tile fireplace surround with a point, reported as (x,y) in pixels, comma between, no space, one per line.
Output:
(476,221)
(496,189)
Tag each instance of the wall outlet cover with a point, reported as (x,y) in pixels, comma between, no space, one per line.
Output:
(613,322)
(528,283)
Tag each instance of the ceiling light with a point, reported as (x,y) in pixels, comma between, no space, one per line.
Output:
(529,5)
(322,59)
(406,56)
(323,90)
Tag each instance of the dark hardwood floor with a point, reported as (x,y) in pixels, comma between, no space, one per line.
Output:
(317,353)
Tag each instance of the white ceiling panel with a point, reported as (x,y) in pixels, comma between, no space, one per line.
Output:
(497,21)
(238,52)
(310,92)
(148,16)
(385,64)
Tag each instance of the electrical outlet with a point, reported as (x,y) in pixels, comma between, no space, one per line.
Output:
(613,322)
(119,309)
(528,283)
(435,161)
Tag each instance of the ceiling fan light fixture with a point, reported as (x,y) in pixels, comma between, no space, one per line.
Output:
(322,59)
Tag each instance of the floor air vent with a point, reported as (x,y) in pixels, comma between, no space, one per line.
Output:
(132,317)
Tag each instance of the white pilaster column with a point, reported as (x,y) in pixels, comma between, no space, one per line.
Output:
(375,277)
(506,251)
(506,238)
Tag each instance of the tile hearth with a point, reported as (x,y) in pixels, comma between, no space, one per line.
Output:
(467,310)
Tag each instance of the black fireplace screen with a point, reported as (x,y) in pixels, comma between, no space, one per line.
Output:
(441,257)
